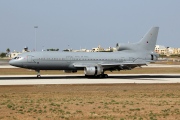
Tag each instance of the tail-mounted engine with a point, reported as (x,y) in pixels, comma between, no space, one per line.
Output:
(96,70)
(154,56)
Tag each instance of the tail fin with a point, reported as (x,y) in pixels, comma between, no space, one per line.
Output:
(148,42)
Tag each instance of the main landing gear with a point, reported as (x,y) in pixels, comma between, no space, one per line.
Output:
(97,76)
(103,76)
(38,73)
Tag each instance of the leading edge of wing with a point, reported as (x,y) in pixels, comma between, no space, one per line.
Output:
(84,64)
(107,64)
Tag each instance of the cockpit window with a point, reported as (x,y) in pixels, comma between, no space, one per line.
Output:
(17,57)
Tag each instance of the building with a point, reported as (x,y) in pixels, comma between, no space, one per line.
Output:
(162,50)
(176,51)
(15,53)
(82,50)
(98,49)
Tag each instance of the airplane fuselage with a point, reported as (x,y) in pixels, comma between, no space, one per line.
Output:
(50,60)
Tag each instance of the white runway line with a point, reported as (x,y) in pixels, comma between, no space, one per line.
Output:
(78,79)
(160,65)
(7,66)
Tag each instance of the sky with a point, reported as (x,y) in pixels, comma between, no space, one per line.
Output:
(86,24)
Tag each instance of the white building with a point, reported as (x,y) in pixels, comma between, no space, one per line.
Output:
(160,49)
(98,49)
(15,53)
(82,50)
(166,50)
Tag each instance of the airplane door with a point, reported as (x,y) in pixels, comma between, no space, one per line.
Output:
(29,59)
(69,59)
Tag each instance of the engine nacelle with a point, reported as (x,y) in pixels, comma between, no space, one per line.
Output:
(154,56)
(96,70)
(70,71)
(122,47)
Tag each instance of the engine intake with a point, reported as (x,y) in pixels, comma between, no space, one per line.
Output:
(93,70)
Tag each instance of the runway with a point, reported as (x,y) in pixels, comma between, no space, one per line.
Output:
(80,79)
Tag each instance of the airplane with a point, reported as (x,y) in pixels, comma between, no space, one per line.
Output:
(94,64)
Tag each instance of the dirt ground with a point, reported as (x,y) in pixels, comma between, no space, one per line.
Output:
(81,102)
(100,101)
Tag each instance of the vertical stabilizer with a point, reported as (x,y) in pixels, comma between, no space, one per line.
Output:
(148,42)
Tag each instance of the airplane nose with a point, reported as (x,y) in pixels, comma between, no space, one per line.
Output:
(15,62)
(11,62)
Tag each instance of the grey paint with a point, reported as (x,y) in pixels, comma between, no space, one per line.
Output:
(134,55)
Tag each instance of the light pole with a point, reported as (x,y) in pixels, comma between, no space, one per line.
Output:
(35,27)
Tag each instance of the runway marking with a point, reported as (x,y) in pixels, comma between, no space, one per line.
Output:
(80,79)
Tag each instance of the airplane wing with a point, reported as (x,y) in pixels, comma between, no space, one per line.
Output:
(84,64)
(132,64)
(108,64)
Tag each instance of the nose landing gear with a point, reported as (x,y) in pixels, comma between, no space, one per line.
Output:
(38,73)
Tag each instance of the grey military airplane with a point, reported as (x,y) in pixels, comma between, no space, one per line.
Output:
(94,64)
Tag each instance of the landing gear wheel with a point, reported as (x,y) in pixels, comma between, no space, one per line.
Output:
(38,73)
(101,76)
(105,76)
(38,76)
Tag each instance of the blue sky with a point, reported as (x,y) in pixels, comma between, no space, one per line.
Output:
(86,23)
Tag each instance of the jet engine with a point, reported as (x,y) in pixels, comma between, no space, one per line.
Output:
(96,70)
(122,47)
(154,56)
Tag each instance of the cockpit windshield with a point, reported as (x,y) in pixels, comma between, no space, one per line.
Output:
(17,58)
